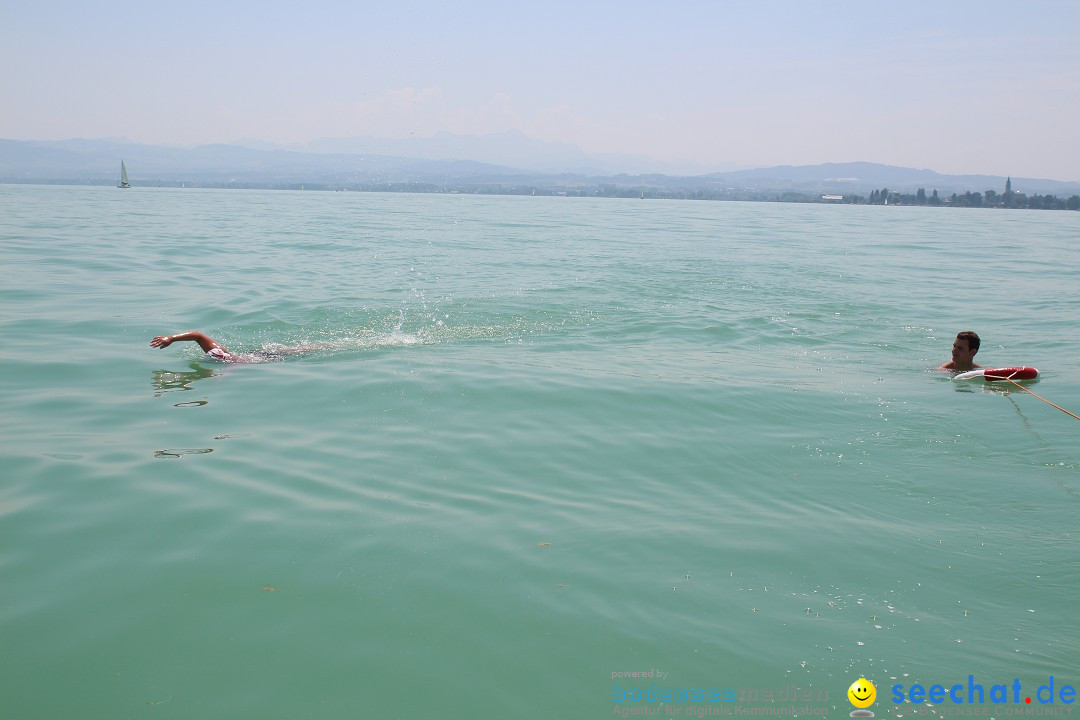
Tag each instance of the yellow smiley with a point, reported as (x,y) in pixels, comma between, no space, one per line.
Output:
(862,693)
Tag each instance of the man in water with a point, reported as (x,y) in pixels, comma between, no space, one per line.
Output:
(214,349)
(963,352)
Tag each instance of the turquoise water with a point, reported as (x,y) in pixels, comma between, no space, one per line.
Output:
(543,441)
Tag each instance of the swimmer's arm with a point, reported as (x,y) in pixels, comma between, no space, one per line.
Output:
(206,342)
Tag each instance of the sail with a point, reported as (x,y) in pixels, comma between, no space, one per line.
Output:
(123,176)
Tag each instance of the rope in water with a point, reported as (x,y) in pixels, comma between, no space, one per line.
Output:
(1042,398)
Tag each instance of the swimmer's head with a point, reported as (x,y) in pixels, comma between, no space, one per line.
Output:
(964,347)
(971,338)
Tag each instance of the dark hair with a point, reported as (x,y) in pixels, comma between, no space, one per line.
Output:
(971,338)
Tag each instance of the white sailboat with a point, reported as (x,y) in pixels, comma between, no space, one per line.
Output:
(123,177)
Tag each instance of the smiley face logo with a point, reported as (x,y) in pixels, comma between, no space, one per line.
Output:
(862,693)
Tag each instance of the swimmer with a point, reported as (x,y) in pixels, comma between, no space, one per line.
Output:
(214,349)
(963,353)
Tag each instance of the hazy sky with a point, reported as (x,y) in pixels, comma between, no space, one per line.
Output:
(957,86)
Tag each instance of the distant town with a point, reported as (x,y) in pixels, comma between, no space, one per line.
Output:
(989,199)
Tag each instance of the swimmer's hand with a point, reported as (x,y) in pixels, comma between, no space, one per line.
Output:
(161,341)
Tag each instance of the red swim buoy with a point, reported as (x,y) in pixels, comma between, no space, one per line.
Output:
(1016,373)
(1021,372)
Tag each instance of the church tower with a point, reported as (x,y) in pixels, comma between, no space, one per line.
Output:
(1008,185)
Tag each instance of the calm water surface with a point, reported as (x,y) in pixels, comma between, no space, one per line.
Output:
(544,441)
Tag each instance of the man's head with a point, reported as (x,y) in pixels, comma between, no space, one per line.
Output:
(964,347)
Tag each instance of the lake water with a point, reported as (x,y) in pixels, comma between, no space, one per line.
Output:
(545,442)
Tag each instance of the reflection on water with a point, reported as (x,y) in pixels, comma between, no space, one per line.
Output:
(170,381)
(177,453)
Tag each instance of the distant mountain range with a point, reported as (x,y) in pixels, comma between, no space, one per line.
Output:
(456,162)
(509,149)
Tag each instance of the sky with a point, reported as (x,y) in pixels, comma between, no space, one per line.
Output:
(956,86)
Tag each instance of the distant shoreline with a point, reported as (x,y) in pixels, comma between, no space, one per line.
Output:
(985,199)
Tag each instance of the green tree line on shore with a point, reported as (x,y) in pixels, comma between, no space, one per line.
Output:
(988,199)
